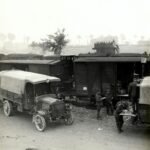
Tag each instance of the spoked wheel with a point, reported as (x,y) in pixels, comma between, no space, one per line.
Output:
(7,108)
(69,119)
(40,123)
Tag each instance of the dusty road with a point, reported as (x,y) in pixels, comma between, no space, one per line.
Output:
(18,133)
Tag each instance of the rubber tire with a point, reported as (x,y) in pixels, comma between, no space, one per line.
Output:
(7,108)
(42,121)
(69,120)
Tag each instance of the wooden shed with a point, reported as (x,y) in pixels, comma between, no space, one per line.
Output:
(59,66)
(96,72)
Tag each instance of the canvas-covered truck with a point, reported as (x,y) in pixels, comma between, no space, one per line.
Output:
(144,100)
(32,93)
(143,106)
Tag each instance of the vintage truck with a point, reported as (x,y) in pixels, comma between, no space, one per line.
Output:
(144,100)
(31,92)
(143,108)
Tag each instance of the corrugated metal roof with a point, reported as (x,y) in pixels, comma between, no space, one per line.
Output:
(50,62)
(108,59)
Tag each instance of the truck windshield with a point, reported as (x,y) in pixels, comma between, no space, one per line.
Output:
(42,89)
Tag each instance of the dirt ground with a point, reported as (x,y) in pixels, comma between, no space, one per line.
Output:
(87,133)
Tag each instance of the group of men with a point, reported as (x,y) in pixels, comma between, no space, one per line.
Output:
(121,106)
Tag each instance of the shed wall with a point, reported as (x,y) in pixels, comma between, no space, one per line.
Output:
(81,78)
(5,66)
(94,76)
(43,69)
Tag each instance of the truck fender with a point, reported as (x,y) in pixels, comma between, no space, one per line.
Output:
(40,112)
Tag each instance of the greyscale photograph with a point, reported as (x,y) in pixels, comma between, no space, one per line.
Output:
(74,75)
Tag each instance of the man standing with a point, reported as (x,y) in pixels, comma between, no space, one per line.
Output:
(99,103)
(121,106)
(133,93)
(108,101)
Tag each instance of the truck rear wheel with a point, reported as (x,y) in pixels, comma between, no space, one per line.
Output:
(7,108)
(40,122)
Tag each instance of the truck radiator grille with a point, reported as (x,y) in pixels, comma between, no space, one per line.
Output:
(58,110)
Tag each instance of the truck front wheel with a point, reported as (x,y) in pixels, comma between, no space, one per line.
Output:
(69,119)
(7,108)
(40,122)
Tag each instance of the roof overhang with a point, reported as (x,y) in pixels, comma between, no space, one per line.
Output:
(108,59)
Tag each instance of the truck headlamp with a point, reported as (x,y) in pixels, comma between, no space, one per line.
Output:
(68,106)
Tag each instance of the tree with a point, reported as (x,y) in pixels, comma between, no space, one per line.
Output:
(53,43)
(106,48)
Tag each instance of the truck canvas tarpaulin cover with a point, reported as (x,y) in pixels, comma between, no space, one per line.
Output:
(144,100)
(145,91)
(15,80)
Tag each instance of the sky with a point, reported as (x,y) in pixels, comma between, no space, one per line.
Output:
(84,18)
